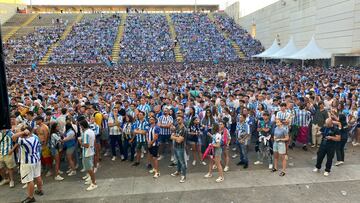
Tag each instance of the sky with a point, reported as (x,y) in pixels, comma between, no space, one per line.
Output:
(246,6)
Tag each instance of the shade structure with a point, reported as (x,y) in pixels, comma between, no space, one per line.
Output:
(310,52)
(287,51)
(270,51)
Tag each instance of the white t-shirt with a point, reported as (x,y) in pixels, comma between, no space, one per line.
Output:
(88,137)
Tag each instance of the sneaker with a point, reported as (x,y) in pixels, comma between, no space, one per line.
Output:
(214,167)
(12,184)
(72,173)
(68,171)
(24,186)
(91,187)
(326,174)
(203,163)
(113,158)
(234,156)
(316,170)
(356,143)
(4,182)
(172,159)
(313,146)
(39,192)
(82,170)
(106,154)
(156,175)
(85,177)
(172,165)
(142,155)
(88,182)
(258,163)
(58,178)
(219,179)
(160,158)
(88,179)
(48,174)
(176,173)
(61,172)
(182,179)
(208,175)
(234,149)
(194,163)
(152,171)
(270,166)
(122,156)
(29,200)
(226,169)
(339,163)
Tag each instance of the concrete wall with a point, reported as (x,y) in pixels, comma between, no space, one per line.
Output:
(234,11)
(7,11)
(335,23)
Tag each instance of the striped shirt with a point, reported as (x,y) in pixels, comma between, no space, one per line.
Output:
(30,149)
(155,130)
(141,125)
(95,128)
(88,137)
(144,108)
(283,115)
(242,129)
(165,120)
(302,118)
(6,144)
(114,130)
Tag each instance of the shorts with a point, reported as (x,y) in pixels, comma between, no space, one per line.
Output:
(141,144)
(279,147)
(153,150)
(164,139)
(29,171)
(218,151)
(88,163)
(7,161)
(70,150)
(54,152)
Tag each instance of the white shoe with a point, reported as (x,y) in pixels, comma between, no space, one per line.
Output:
(172,159)
(88,179)
(326,174)
(142,155)
(226,168)
(106,154)
(208,175)
(58,178)
(156,175)
(88,182)
(152,171)
(339,163)
(270,166)
(85,177)
(122,156)
(258,162)
(234,156)
(61,172)
(82,170)
(113,158)
(203,163)
(182,180)
(234,148)
(48,174)
(72,173)
(160,157)
(91,187)
(316,170)
(24,186)
(176,173)
(219,179)
(214,167)
(68,171)
(12,184)
(194,163)
(4,182)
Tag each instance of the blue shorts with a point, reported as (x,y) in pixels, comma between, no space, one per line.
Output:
(164,139)
(88,163)
(279,147)
(70,150)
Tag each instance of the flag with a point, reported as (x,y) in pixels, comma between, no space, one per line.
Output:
(4,99)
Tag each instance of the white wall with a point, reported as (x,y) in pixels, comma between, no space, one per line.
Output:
(7,11)
(335,23)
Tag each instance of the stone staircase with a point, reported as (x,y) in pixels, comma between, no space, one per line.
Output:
(233,43)
(115,55)
(67,31)
(16,28)
(178,55)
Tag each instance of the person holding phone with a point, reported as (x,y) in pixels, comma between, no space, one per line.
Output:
(281,136)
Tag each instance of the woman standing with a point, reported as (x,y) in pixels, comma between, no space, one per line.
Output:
(280,138)
(225,136)
(126,136)
(56,149)
(344,130)
(216,143)
(193,139)
(69,141)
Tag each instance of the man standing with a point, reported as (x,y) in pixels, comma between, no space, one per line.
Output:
(179,147)
(303,118)
(7,161)
(319,119)
(330,135)
(165,122)
(243,132)
(153,145)
(30,165)
(141,127)
(42,131)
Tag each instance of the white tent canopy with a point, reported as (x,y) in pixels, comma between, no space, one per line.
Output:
(310,52)
(270,51)
(288,50)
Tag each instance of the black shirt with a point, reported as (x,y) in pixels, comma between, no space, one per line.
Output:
(326,131)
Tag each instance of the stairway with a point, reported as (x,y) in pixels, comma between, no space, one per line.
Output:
(115,55)
(178,55)
(233,43)
(67,31)
(17,28)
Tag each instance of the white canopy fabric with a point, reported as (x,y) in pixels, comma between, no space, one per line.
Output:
(270,51)
(310,52)
(287,51)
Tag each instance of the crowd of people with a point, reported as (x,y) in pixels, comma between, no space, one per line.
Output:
(146,39)
(30,48)
(201,112)
(200,40)
(90,41)
(248,45)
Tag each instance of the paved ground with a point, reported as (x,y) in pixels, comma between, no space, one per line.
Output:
(120,182)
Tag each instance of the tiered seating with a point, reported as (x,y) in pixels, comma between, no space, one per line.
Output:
(90,41)
(50,19)
(17,20)
(146,39)
(247,44)
(200,40)
(30,48)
